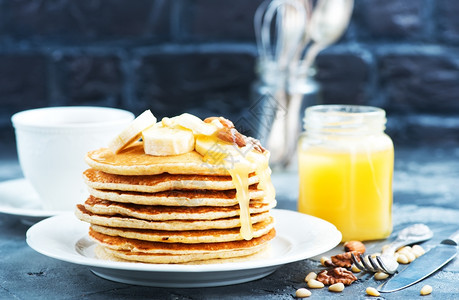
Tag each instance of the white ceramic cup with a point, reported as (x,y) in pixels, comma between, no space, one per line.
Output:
(52,143)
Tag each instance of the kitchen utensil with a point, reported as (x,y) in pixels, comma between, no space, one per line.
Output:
(328,21)
(286,31)
(279,27)
(386,262)
(424,265)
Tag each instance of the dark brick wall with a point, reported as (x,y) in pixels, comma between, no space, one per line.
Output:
(198,56)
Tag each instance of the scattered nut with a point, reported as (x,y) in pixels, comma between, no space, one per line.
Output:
(410,256)
(310,276)
(337,287)
(385,247)
(418,250)
(314,284)
(381,275)
(371,291)
(375,254)
(326,262)
(426,290)
(354,246)
(344,259)
(302,293)
(354,269)
(402,259)
(404,250)
(417,247)
(336,275)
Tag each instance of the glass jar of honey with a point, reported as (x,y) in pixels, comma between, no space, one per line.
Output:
(345,165)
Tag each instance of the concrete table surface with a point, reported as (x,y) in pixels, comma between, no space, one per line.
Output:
(425,190)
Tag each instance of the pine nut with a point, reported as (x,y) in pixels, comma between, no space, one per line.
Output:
(402,252)
(325,261)
(337,287)
(402,259)
(381,275)
(406,248)
(426,290)
(375,254)
(314,284)
(410,256)
(371,291)
(418,250)
(354,269)
(302,293)
(310,276)
(385,247)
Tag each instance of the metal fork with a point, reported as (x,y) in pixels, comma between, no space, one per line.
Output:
(386,262)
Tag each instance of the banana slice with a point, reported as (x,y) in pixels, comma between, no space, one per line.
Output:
(163,141)
(212,149)
(133,132)
(193,123)
(218,152)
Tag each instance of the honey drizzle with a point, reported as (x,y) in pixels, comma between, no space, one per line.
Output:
(264,173)
(240,166)
(240,176)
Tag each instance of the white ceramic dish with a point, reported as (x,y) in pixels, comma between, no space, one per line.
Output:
(52,143)
(18,198)
(299,236)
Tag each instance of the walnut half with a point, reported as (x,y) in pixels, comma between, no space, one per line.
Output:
(335,275)
(344,259)
(228,133)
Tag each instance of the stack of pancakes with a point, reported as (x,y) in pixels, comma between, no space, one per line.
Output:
(171,209)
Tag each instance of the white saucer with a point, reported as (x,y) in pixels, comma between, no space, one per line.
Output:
(18,198)
(299,236)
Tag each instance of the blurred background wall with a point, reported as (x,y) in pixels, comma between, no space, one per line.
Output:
(198,56)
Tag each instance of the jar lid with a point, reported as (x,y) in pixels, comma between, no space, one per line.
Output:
(344,119)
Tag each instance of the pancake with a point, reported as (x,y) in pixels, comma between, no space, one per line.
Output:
(134,161)
(209,205)
(160,213)
(155,252)
(191,258)
(261,254)
(177,197)
(188,237)
(172,225)
(158,183)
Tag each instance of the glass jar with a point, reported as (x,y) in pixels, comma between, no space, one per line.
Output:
(279,100)
(345,163)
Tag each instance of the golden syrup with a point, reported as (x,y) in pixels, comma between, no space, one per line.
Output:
(217,152)
(350,190)
(345,163)
(263,172)
(240,176)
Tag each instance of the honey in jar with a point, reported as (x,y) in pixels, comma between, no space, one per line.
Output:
(345,170)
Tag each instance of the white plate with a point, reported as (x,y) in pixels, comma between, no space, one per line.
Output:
(299,236)
(18,198)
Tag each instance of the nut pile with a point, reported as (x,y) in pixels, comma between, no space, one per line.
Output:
(407,254)
(337,275)
(340,269)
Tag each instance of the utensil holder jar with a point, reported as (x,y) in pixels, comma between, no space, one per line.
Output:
(280,99)
(345,170)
